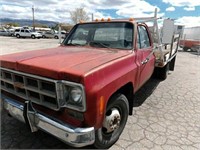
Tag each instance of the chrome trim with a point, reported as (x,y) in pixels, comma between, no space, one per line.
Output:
(77,137)
(83,102)
(27,89)
(29,75)
(15,109)
(58,95)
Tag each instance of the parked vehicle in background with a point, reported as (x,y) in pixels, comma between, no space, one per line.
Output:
(48,34)
(190,39)
(63,35)
(27,33)
(193,45)
(12,32)
(82,92)
(5,33)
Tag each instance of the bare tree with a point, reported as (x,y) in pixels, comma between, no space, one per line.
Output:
(79,14)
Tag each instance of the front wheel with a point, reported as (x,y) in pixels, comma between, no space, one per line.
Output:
(18,36)
(114,122)
(33,36)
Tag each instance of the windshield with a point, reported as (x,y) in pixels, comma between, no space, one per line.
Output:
(104,35)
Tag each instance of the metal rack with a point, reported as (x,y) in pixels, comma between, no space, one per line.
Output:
(163,54)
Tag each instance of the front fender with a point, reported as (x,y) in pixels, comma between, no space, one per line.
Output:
(103,83)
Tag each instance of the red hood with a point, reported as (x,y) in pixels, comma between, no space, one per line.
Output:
(69,63)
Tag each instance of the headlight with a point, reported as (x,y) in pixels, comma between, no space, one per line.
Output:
(76,95)
(72,95)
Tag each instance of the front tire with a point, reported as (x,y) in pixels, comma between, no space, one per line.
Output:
(18,36)
(114,122)
(33,36)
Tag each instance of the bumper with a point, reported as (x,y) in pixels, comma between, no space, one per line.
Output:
(76,137)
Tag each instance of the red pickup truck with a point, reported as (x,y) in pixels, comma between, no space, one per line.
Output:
(82,92)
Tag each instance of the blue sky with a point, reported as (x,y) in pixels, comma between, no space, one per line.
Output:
(178,12)
(186,12)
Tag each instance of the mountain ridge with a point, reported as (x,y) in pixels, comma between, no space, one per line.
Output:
(27,22)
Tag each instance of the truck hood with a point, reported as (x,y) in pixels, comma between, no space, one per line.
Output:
(69,63)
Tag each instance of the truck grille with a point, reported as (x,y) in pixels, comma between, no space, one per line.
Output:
(39,90)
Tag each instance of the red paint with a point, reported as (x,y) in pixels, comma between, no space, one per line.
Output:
(189,43)
(102,71)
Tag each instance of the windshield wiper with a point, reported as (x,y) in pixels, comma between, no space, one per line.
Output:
(75,44)
(92,43)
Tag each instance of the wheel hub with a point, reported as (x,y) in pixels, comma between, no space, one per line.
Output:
(112,120)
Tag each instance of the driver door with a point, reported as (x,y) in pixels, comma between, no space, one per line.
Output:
(145,59)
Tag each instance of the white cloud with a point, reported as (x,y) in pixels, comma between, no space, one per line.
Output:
(189,21)
(189,8)
(137,9)
(183,2)
(170,9)
(14,9)
(53,10)
(58,11)
(99,15)
(15,12)
(137,14)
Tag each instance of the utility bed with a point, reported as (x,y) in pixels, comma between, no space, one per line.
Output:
(165,39)
(167,54)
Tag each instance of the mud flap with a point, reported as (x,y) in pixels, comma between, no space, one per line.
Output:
(29,116)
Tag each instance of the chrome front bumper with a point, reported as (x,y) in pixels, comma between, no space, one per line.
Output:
(76,137)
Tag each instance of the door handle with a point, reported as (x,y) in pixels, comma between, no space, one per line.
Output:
(145,61)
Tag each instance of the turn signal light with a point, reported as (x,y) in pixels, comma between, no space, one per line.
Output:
(101,105)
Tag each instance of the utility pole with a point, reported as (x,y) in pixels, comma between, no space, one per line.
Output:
(33,11)
(92,17)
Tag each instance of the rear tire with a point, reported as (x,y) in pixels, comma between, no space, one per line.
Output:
(56,37)
(43,36)
(172,64)
(114,122)
(162,73)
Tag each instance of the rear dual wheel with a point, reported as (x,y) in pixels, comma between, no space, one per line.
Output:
(114,122)
(161,73)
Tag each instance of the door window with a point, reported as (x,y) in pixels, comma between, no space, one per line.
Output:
(143,40)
